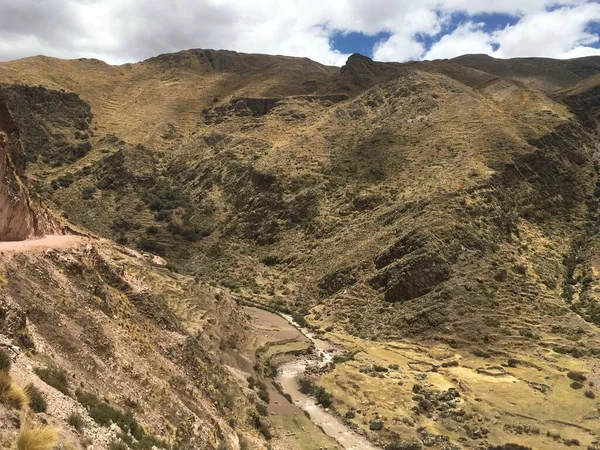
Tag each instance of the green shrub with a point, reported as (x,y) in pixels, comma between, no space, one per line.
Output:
(306,385)
(262,408)
(148,245)
(589,394)
(88,193)
(37,403)
(576,376)
(376,425)
(55,377)
(76,421)
(5,362)
(299,319)
(264,396)
(323,397)
(152,229)
(481,353)
(104,414)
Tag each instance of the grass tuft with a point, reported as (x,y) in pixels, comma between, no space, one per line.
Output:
(12,394)
(35,437)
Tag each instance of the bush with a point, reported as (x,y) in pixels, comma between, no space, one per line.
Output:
(37,403)
(104,414)
(55,377)
(376,425)
(76,421)
(263,426)
(576,385)
(450,364)
(481,353)
(262,409)
(88,193)
(148,245)
(512,362)
(323,397)
(589,394)
(264,396)
(5,362)
(299,319)
(576,376)
(306,385)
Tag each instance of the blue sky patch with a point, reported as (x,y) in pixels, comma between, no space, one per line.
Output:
(361,43)
(357,42)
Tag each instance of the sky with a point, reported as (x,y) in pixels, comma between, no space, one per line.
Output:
(327,31)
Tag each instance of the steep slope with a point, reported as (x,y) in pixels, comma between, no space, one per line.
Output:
(139,354)
(20,216)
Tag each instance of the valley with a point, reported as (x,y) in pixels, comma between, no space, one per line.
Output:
(219,250)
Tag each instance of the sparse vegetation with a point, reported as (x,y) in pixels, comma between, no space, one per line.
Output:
(37,402)
(55,377)
(5,362)
(76,421)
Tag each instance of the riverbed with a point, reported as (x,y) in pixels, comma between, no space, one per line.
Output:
(288,376)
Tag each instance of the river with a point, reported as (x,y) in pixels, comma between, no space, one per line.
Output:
(288,375)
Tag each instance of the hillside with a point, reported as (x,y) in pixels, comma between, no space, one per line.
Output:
(439,217)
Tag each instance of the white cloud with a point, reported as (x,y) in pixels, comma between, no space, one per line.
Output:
(130,30)
(467,38)
(551,34)
(398,48)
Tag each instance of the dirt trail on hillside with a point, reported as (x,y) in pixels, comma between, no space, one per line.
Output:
(52,241)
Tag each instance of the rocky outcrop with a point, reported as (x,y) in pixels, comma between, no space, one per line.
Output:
(20,218)
(411,276)
(257,107)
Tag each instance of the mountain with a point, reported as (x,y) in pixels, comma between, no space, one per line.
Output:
(437,220)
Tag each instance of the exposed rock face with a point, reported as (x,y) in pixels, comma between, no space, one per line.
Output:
(12,317)
(19,218)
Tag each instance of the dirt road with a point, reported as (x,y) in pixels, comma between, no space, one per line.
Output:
(45,243)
